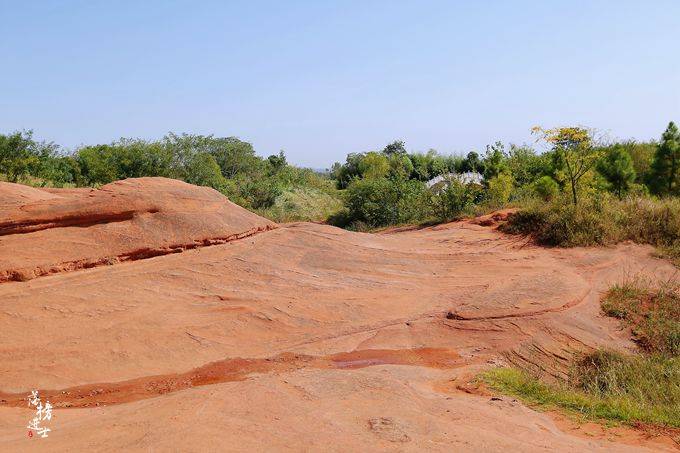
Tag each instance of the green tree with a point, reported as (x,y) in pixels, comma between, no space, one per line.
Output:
(455,198)
(574,153)
(382,201)
(617,168)
(495,161)
(665,171)
(136,158)
(57,170)
(372,201)
(277,162)
(453,163)
(235,157)
(642,156)
(525,165)
(400,165)
(349,171)
(421,170)
(203,170)
(98,164)
(546,188)
(258,192)
(374,165)
(472,163)
(500,188)
(427,166)
(17,154)
(125,158)
(396,147)
(436,165)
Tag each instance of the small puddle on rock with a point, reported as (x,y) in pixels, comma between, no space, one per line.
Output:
(359,363)
(429,357)
(229,370)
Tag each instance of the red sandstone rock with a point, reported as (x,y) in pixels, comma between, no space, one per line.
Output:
(50,232)
(301,338)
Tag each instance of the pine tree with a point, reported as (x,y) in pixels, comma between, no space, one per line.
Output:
(665,174)
(617,168)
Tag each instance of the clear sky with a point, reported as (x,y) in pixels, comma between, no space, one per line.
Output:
(320,79)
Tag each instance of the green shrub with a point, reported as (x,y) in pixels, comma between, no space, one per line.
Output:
(563,224)
(455,200)
(381,201)
(526,166)
(258,193)
(125,158)
(203,170)
(499,189)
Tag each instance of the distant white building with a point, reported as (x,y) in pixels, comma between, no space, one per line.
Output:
(469,177)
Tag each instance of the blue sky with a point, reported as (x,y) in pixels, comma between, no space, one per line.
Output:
(320,79)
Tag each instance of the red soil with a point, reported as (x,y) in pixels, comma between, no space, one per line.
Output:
(198,326)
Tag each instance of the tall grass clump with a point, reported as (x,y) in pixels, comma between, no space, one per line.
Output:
(651,311)
(602,220)
(604,385)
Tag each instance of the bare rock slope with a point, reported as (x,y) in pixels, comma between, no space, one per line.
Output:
(50,231)
(159,316)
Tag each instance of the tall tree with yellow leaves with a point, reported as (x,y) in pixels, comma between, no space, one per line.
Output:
(573,147)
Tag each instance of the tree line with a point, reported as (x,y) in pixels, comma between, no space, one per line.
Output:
(370,189)
(386,187)
(226,164)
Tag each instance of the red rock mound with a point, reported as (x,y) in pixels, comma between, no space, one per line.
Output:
(13,196)
(44,231)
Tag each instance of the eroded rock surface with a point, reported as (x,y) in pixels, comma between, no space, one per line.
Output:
(47,231)
(300,338)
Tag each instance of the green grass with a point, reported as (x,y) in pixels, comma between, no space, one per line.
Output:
(606,386)
(306,204)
